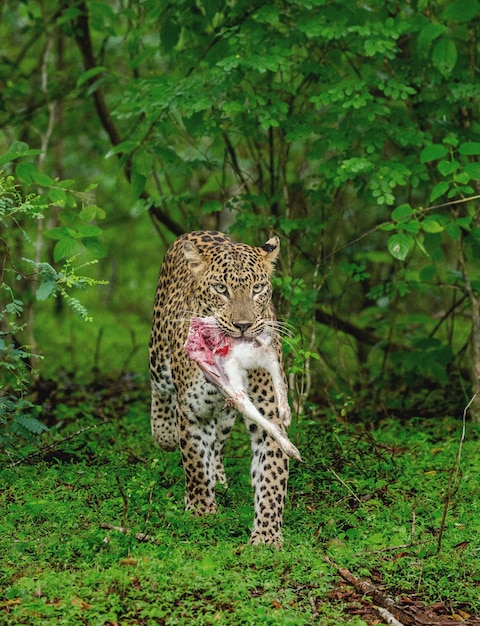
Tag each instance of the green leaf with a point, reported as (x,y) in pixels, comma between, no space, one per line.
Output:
(447,167)
(428,273)
(461,11)
(444,56)
(57,196)
(433,152)
(91,73)
(430,225)
(387,226)
(169,35)
(473,170)
(428,34)
(213,206)
(25,171)
(404,210)
(64,248)
(413,226)
(471,148)
(42,179)
(450,140)
(57,233)
(89,230)
(45,289)
(94,246)
(453,229)
(267,14)
(17,153)
(31,424)
(462,178)
(138,183)
(440,189)
(143,163)
(91,212)
(399,245)
(124,146)
(21,148)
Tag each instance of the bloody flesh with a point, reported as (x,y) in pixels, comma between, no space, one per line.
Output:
(213,351)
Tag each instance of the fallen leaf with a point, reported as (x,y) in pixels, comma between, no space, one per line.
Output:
(12,602)
(464,614)
(461,546)
(81,604)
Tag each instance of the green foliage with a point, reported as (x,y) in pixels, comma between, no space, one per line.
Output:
(53,283)
(18,217)
(19,420)
(337,127)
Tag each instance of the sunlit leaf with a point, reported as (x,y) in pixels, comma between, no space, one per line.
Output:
(399,245)
(430,225)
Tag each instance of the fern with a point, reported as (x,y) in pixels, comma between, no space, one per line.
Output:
(30,425)
(53,283)
(18,417)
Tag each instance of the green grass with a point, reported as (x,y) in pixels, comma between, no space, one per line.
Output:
(370,500)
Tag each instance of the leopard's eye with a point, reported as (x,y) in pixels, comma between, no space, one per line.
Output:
(258,288)
(221,288)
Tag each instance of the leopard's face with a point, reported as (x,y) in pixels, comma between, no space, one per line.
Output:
(232,283)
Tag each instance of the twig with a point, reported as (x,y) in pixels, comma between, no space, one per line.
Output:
(454,473)
(140,536)
(387,616)
(349,489)
(125,500)
(386,606)
(135,348)
(98,344)
(412,530)
(53,446)
(315,613)
(367,588)
(379,226)
(402,546)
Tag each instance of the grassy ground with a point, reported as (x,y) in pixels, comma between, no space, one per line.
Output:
(372,500)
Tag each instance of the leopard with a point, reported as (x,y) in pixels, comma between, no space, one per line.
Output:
(206,273)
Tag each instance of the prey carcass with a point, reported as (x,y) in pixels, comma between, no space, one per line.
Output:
(225,362)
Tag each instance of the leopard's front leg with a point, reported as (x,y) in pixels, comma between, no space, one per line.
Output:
(197,445)
(269,473)
(269,470)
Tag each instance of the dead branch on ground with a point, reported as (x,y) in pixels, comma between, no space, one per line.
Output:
(126,531)
(390,610)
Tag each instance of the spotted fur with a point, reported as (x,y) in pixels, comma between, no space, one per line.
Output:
(205,273)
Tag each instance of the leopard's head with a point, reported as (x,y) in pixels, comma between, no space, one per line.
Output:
(232,283)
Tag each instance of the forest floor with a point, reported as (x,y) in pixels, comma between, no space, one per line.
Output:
(382,523)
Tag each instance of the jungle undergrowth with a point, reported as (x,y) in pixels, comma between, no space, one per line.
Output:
(371,499)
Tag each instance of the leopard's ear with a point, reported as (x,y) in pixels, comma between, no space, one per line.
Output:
(269,252)
(195,260)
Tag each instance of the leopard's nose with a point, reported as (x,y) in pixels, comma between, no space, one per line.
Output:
(242,326)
